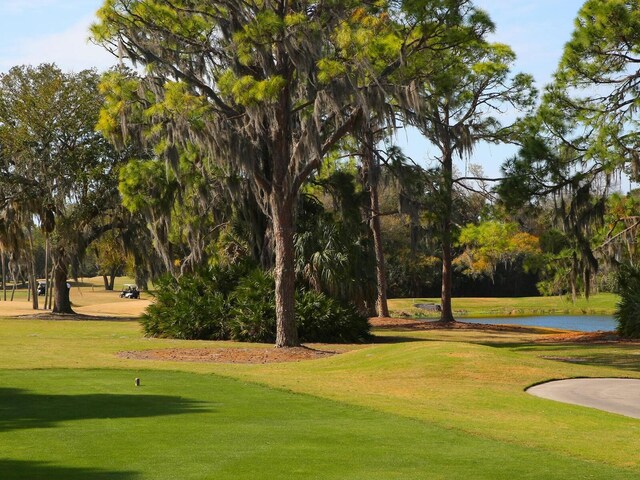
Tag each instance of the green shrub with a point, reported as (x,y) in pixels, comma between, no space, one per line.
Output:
(194,306)
(253,312)
(238,303)
(628,309)
(323,319)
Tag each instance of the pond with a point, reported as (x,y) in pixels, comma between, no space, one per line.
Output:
(582,323)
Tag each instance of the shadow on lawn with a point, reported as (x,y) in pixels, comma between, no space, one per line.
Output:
(16,470)
(623,358)
(21,409)
(377,339)
(618,356)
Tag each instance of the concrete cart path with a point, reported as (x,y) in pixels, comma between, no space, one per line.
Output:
(615,395)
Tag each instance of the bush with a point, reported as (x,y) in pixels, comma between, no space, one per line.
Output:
(323,319)
(238,303)
(628,310)
(194,306)
(253,315)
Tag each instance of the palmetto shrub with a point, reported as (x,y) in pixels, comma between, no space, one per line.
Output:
(195,306)
(322,319)
(238,303)
(253,309)
(628,309)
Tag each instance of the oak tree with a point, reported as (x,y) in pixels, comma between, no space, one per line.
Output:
(269,87)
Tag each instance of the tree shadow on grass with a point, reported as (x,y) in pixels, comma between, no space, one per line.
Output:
(615,355)
(19,470)
(378,339)
(21,409)
(620,361)
(524,345)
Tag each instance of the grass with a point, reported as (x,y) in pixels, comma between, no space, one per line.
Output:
(436,404)
(601,304)
(187,426)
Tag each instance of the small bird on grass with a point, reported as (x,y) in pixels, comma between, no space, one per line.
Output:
(137,382)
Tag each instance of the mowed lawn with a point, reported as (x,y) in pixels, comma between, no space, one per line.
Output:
(601,304)
(423,405)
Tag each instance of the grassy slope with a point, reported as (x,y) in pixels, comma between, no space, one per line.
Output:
(461,392)
(601,304)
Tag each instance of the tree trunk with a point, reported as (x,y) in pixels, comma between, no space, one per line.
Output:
(48,297)
(283,229)
(33,284)
(373,176)
(112,281)
(4,276)
(141,279)
(105,279)
(281,202)
(46,269)
(574,278)
(33,288)
(13,277)
(61,303)
(446,315)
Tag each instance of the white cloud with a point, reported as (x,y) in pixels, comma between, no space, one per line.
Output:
(69,49)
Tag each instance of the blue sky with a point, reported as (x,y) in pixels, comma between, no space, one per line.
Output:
(36,31)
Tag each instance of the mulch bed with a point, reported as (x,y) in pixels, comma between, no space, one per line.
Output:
(230,355)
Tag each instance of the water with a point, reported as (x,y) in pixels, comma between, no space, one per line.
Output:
(582,323)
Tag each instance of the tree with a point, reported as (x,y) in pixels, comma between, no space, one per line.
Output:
(333,250)
(53,164)
(458,104)
(269,87)
(598,81)
(371,173)
(491,243)
(618,238)
(110,258)
(585,133)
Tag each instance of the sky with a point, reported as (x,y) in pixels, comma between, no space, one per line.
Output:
(56,31)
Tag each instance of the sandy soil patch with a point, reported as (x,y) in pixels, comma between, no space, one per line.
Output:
(254,355)
(86,301)
(123,308)
(17,308)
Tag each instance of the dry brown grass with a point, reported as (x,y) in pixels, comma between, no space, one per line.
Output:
(87,298)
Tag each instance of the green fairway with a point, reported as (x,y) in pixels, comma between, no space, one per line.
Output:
(432,405)
(601,304)
(73,424)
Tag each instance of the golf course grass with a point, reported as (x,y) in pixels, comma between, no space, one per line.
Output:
(601,304)
(439,404)
(181,425)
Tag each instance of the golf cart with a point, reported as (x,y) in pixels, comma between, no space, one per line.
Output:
(130,291)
